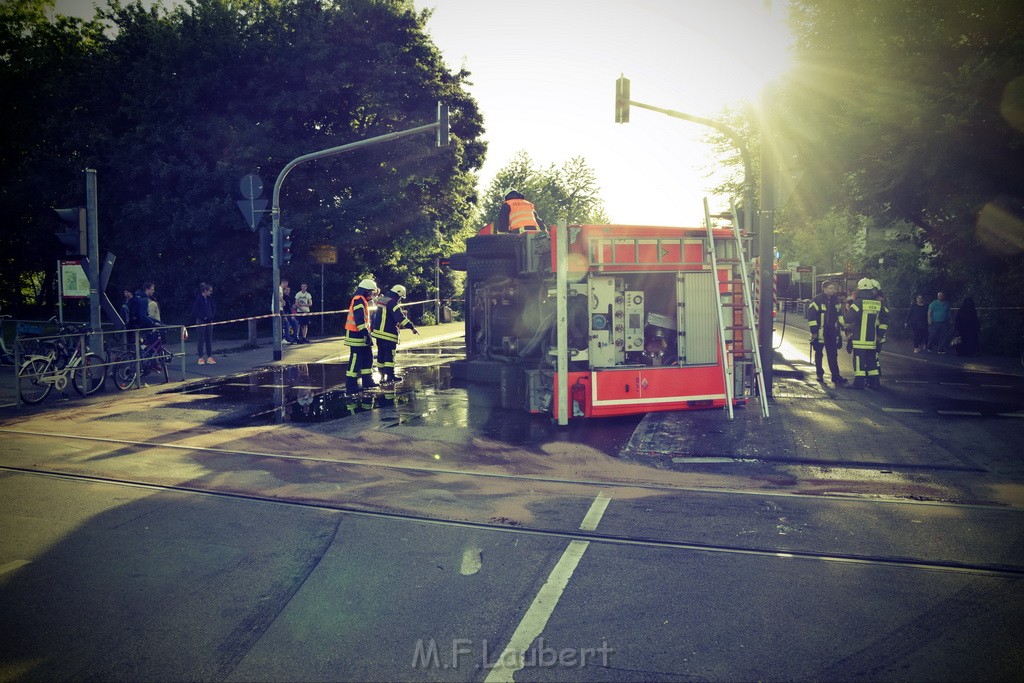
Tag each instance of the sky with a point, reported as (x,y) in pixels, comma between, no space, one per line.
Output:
(543,73)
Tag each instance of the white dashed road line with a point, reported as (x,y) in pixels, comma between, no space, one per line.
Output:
(536,617)
(902,410)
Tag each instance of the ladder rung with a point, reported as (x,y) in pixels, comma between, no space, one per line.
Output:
(728,260)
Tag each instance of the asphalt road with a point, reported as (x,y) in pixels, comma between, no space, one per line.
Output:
(236,532)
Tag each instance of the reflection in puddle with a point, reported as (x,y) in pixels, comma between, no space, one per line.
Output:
(426,397)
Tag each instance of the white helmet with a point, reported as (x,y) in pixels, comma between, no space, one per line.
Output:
(866,283)
(399,290)
(367,283)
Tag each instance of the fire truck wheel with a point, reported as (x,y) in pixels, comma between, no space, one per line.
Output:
(490,269)
(492,246)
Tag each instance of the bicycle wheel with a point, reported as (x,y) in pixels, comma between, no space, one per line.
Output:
(30,387)
(88,377)
(157,367)
(124,370)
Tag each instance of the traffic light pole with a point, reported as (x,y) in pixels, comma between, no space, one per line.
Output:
(748,176)
(766,227)
(441,126)
(92,227)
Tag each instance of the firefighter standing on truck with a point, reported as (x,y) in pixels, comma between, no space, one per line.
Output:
(823,316)
(517,214)
(357,338)
(388,322)
(866,321)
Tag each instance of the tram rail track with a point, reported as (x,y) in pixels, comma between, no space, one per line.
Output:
(507,476)
(983,569)
(961,565)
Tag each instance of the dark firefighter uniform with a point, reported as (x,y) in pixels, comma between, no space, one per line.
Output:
(357,338)
(867,321)
(392,320)
(823,315)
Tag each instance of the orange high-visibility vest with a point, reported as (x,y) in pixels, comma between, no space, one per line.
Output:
(350,322)
(520,215)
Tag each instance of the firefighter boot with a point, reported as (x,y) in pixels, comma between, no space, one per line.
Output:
(873,383)
(858,383)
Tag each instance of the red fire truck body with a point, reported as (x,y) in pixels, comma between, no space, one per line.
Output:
(639,330)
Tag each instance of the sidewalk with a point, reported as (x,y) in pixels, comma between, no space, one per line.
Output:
(234,358)
(1010,365)
(809,424)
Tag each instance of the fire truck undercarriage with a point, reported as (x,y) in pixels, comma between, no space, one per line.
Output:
(646,310)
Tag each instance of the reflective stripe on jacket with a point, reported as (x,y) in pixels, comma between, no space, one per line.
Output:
(392,319)
(520,215)
(823,315)
(868,320)
(358,322)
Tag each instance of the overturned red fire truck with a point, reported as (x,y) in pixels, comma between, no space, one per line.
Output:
(604,320)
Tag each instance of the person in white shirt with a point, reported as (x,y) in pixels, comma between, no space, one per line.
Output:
(303,305)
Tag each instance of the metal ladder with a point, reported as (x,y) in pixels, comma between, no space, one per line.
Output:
(740,356)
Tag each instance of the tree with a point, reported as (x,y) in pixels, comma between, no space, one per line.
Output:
(173,107)
(569,192)
(906,112)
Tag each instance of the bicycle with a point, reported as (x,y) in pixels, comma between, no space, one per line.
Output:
(153,359)
(40,372)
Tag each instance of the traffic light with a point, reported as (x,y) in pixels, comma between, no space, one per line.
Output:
(622,100)
(74,234)
(286,246)
(266,248)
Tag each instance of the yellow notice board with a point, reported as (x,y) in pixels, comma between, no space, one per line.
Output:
(325,253)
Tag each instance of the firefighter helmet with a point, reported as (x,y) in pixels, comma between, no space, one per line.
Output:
(866,283)
(367,283)
(399,290)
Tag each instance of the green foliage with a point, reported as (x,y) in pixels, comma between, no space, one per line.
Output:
(568,192)
(903,114)
(173,107)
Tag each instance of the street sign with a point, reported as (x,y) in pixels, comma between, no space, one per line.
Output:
(803,269)
(325,253)
(252,207)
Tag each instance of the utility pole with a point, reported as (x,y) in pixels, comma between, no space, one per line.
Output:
(766,243)
(92,227)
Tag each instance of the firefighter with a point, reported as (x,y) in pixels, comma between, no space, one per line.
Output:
(866,322)
(388,321)
(357,338)
(517,214)
(823,315)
